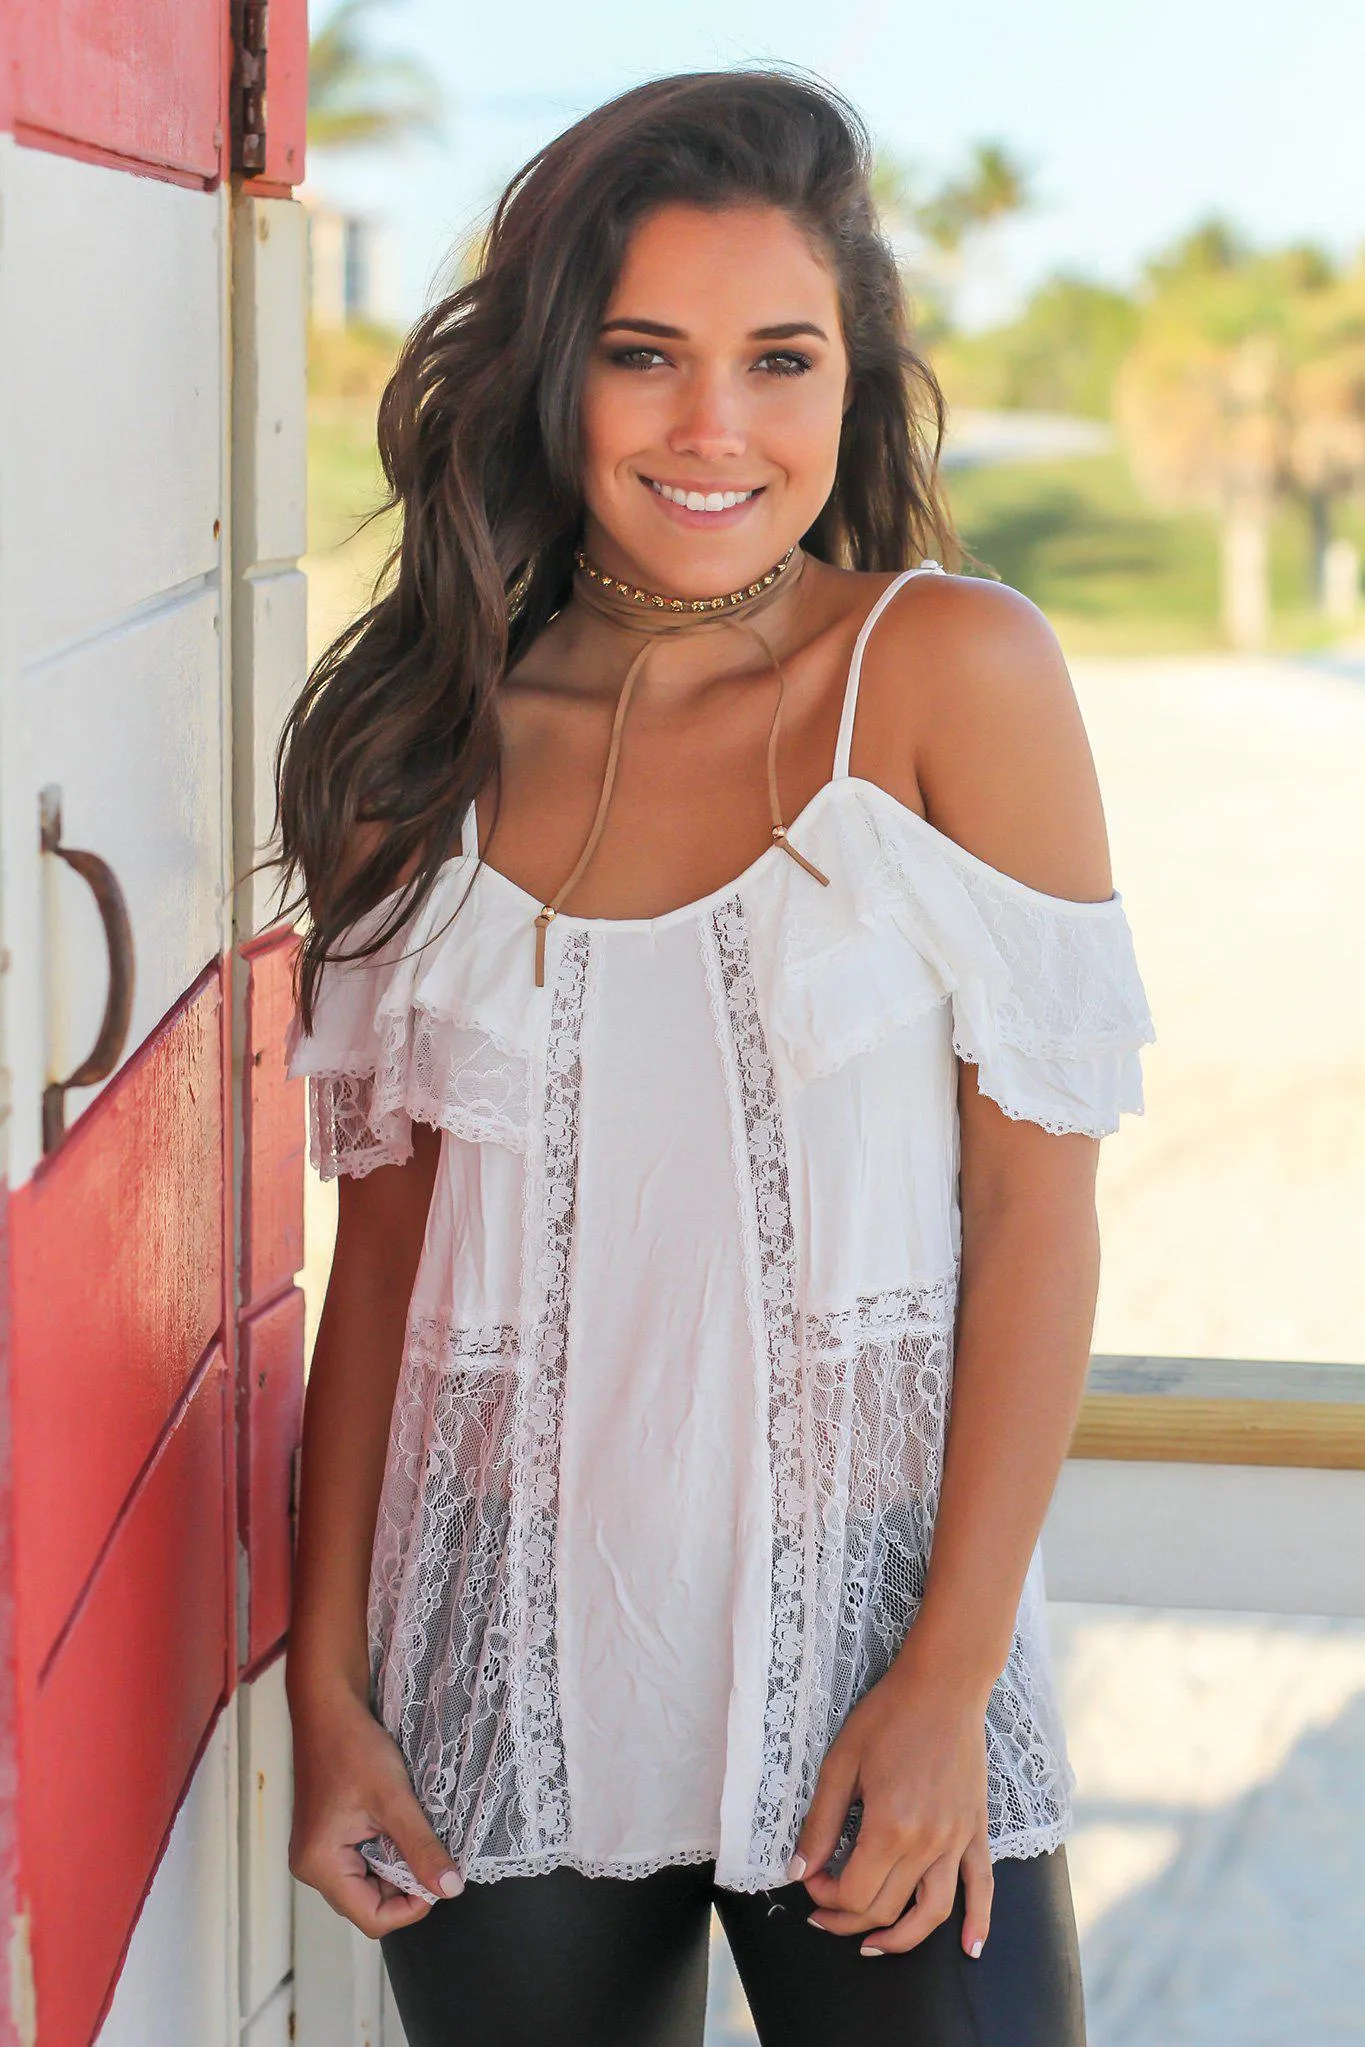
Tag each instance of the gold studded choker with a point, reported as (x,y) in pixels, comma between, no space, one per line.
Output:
(686,607)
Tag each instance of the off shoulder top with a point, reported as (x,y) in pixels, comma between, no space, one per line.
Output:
(667,1437)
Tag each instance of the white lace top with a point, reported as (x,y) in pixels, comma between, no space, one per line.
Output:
(667,1439)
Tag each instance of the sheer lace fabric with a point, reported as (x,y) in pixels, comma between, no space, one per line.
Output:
(657,1508)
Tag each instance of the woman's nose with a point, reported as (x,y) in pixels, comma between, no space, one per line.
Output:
(711,421)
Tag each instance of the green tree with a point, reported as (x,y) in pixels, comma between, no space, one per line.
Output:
(1061,354)
(934,227)
(1324,404)
(1246,384)
(993,186)
(359,98)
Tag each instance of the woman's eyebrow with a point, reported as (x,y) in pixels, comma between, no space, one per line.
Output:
(785,330)
(655,327)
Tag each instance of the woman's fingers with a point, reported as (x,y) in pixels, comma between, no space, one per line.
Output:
(824,1821)
(933,1902)
(339,1873)
(845,1902)
(882,1908)
(327,1857)
(360,1899)
(403,1820)
(978,1881)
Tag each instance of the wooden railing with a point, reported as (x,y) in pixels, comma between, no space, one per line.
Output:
(1223,1411)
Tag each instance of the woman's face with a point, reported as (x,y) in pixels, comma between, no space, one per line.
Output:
(712,401)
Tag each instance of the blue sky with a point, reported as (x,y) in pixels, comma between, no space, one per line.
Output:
(1134,120)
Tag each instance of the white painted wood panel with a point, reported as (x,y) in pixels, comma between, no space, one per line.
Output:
(339,1981)
(269,644)
(111,373)
(272,2026)
(129,728)
(270,654)
(1238,1538)
(269,372)
(266,1794)
(269,521)
(177,1982)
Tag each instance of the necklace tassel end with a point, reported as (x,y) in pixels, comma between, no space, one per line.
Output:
(780,836)
(542,926)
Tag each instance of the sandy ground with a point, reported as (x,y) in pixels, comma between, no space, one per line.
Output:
(1236,796)
(1218,1861)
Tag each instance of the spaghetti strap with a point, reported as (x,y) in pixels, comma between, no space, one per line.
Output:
(927,567)
(469,832)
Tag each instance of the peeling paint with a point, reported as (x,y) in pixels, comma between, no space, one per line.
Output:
(23,1995)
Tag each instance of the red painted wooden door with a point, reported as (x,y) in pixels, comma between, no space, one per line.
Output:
(150,1330)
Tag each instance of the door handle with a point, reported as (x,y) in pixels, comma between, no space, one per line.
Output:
(107,1049)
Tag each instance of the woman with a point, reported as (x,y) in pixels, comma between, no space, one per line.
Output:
(669,1196)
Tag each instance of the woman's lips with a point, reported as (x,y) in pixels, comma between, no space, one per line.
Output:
(699,508)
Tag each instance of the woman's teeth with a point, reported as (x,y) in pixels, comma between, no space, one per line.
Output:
(702,501)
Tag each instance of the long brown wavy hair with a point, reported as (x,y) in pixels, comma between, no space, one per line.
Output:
(397,725)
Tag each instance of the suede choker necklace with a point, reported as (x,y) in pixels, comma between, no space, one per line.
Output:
(654,615)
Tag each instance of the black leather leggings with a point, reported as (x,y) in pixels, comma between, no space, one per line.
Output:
(565,1960)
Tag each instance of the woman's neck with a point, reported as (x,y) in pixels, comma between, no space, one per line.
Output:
(690,636)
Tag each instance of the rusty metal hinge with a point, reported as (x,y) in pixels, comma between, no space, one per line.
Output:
(251,35)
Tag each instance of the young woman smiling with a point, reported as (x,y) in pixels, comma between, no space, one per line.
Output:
(713,995)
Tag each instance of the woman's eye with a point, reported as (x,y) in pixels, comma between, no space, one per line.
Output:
(636,358)
(786,362)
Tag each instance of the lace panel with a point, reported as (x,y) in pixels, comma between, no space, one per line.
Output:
(440,1672)
(880,1379)
(551,1201)
(772,1261)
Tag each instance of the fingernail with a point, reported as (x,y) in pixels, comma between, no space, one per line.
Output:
(452,1883)
(819,1925)
(872,1951)
(977,1946)
(796,1868)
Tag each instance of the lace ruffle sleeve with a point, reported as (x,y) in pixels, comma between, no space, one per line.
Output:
(421,1031)
(1047,1000)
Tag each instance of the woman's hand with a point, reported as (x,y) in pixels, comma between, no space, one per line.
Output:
(350,1782)
(915,1752)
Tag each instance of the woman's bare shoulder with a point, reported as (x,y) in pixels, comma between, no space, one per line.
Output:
(967,688)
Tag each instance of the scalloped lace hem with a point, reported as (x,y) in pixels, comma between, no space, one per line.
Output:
(488,1869)
(1021,1845)
(1058,1122)
(1027,1842)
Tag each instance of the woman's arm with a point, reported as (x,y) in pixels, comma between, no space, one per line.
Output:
(350,1781)
(1002,766)
(1030,1270)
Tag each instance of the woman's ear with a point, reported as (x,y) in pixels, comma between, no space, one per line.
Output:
(849,388)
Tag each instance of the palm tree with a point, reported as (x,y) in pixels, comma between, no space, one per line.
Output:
(1247,385)
(994,186)
(1325,408)
(932,230)
(357,99)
